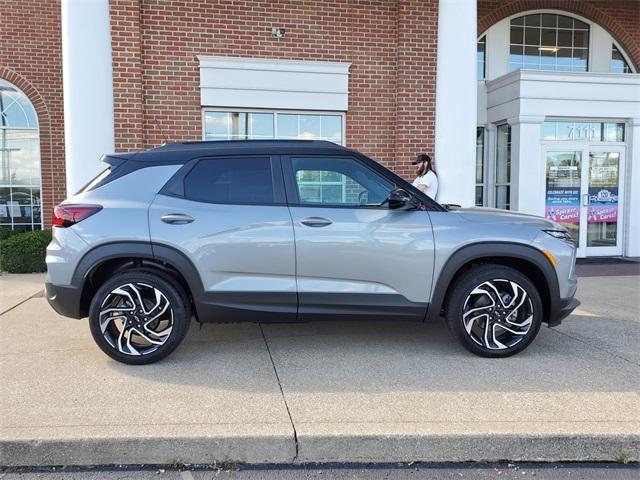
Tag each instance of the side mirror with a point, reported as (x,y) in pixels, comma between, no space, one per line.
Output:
(399,198)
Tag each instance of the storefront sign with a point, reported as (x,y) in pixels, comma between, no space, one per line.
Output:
(603,205)
(563,205)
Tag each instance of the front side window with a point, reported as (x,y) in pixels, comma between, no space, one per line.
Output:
(618,63)
(231,180)
(503,167)
(547,41)
(20,204)
(262,125)
(338,181)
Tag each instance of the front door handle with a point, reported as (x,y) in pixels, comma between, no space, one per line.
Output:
(316,222)
(176,218)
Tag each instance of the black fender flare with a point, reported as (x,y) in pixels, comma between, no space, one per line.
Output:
(142,250)
(506,250)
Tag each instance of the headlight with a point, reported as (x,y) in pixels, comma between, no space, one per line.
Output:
(561,235)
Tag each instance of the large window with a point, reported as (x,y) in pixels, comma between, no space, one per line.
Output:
(481,57)
(231,180)
(618,63)
(480,166)
(256,125)
(559,130)
(338,181)
(19,161)
(547,41)
(503,167)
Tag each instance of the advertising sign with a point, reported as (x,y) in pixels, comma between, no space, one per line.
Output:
(563,204)
(603,205)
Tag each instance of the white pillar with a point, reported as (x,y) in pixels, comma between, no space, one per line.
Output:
(633,191)
(528,168)
(88,88)
(456,101)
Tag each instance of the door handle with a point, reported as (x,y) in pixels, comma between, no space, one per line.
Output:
(316,222)
(585,200)
(176,218)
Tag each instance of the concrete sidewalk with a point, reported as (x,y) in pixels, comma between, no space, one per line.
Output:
(326,392)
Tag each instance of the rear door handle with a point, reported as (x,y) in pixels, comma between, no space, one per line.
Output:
(316,222)
(176,218)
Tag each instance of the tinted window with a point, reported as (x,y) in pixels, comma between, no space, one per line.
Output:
(338,181)
(230,180)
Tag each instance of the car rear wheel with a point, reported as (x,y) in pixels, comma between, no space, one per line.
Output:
(139,317)
(494,311)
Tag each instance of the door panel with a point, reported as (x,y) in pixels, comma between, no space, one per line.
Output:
(355,257)
(244,253)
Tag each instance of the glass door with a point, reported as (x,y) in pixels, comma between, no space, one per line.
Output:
(583,194)
(602,197)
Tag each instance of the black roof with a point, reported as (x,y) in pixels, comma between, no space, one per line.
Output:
(184,151)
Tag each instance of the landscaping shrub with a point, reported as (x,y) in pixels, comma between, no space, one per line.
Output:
(7,232)
(24,252)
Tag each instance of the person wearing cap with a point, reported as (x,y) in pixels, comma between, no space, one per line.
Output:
(426,180)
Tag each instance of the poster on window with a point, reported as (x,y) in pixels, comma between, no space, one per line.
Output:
(563,205)
(603,205)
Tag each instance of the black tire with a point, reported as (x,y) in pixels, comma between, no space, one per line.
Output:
(177,315)
(474,289)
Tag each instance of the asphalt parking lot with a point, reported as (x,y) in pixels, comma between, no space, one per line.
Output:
(322,392)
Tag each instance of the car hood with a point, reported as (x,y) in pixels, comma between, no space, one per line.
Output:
(494,215)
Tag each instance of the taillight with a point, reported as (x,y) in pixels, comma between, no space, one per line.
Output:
(66,215)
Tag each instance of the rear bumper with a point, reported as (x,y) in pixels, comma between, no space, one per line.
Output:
(567,305)
(65,299)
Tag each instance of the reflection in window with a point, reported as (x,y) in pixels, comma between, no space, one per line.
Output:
(503,167)
(338,181)
(221,125)
(481,57)
(479,166)
(549,42)
(618,63)
(20,207)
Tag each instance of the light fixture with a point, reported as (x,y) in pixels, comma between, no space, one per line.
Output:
(548,49)
(277,32)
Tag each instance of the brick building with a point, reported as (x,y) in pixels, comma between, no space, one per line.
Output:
(532,105)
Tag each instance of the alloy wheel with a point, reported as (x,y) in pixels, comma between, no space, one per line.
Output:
(136,318)
(497,314)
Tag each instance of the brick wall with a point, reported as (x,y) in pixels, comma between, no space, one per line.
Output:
(31,59)
(391,110)
(620,17)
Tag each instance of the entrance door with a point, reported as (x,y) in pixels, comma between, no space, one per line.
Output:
(583,193)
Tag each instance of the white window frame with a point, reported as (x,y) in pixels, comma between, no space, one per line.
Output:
(35,128)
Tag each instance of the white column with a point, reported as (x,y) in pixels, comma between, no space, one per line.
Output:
(600,49)
(88,88)
(633,191)
(497,58)
(527,165)
(456,101)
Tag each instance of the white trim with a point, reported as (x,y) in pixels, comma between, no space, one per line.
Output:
(238,82)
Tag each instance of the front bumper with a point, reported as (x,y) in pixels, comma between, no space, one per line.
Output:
(65,299)
(566,306)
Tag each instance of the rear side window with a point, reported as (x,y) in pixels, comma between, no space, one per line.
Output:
(231,180)
(102,176)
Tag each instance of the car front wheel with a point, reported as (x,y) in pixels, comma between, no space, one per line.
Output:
(138,317)
(495,311)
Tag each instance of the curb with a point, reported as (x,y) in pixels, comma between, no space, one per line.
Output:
(320,448)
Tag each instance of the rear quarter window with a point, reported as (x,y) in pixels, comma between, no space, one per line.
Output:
(231,180)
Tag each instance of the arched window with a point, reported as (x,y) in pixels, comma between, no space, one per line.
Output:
(548,41)
(20,204)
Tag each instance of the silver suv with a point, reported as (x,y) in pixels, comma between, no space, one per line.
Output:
(293,231)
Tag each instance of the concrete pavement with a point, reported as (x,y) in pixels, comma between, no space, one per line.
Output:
(323,392)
